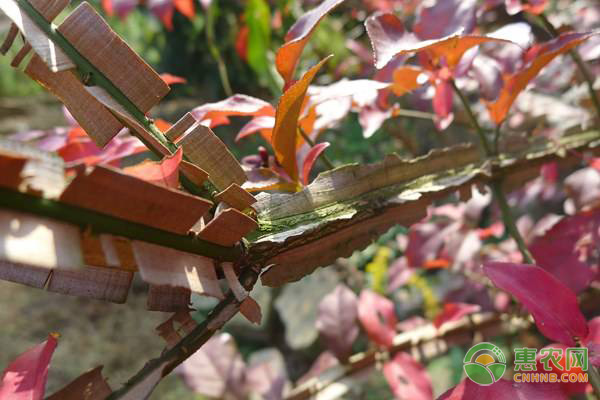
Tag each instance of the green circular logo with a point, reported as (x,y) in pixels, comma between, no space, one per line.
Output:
(484,363)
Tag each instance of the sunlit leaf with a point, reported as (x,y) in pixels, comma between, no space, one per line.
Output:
(185,7)
(539,56)
(172,79)
(406,79)
(215,114)
(446,18)
(552,304)
(311,158)
(165,172)
(296,38)
(25,377)
(284,137)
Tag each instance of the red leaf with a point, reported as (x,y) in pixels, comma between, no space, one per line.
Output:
(186,7)
(163,10)
(25,377)
(241,42)
(172,79)
(378,317)
(592,341)
(250,309)
(504,390)
(515,83)
(296,38)
(446,18)
(337,321)
(552,304)
(264,125)
(566,249)
(408,378)
(311,158)
(453,312)
(406,79)
(285,134)
(165,172)
(390,39)
(215,114)
(442,104)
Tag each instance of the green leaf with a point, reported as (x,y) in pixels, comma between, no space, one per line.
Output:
(258,19)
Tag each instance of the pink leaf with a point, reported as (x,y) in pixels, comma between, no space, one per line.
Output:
(25,377)
(264,125)
(215,114)
(446,18)
(408,378)
(325,361)
(310,159)
(442,104)
(454,311)
(172,79)
(296,38)
(504,390)
(552,304)
(165,172)
(592,341)
(337,320)
(378,317)
(566,250)
(216,369)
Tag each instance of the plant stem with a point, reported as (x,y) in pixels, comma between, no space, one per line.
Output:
(308,140)
(413,114)
(187,346)
(214,49)
(102,223)
(594,379)
(482,139)
(587,76)
(496,185)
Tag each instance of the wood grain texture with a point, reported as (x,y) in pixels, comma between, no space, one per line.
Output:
(207,151)
(180,127)
(111,192)
(98,122)
(108,284)
(228,228)
(96,41)
(168,298)
(236,197)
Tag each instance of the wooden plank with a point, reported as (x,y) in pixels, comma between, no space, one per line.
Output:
(10,39)
(52,55)
(96,41)
(89,386)
(180,127)
(194,173)
(24,274)
(111,192)
(163,266)
(96,283)
(168,298)
(98,122)
(49,8)
(206,150)
(228,228)
(236,197)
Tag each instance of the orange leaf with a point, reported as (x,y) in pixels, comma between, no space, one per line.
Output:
(515,83)
(186,7)
(165,172)
(172,79)
(288,55)
(162,124)
(286,121)
(405,80)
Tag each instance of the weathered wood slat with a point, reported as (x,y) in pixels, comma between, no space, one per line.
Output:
(108,284)
(236,197)
(180,127)
(111,192)
(228,228)
(97,42)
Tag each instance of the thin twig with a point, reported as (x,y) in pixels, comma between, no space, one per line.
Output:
(214,49)
(413,114)
(496,185)
(171,358)
(587,76)
(308,140)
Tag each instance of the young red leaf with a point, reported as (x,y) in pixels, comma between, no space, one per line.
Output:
(165,172)
(250,309)
(406,79)
(504,390)
(172,79)
(442,104)
(446,18)
(565,249)
(286,121)
(264,125)
(296,38)
(337,321)
(185,7)
(310,159)
(407,378)
(552,304)
(592,341)
(215,114)
(515,83)
(389,39)
(378,317)
(25,377)
(453,312)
